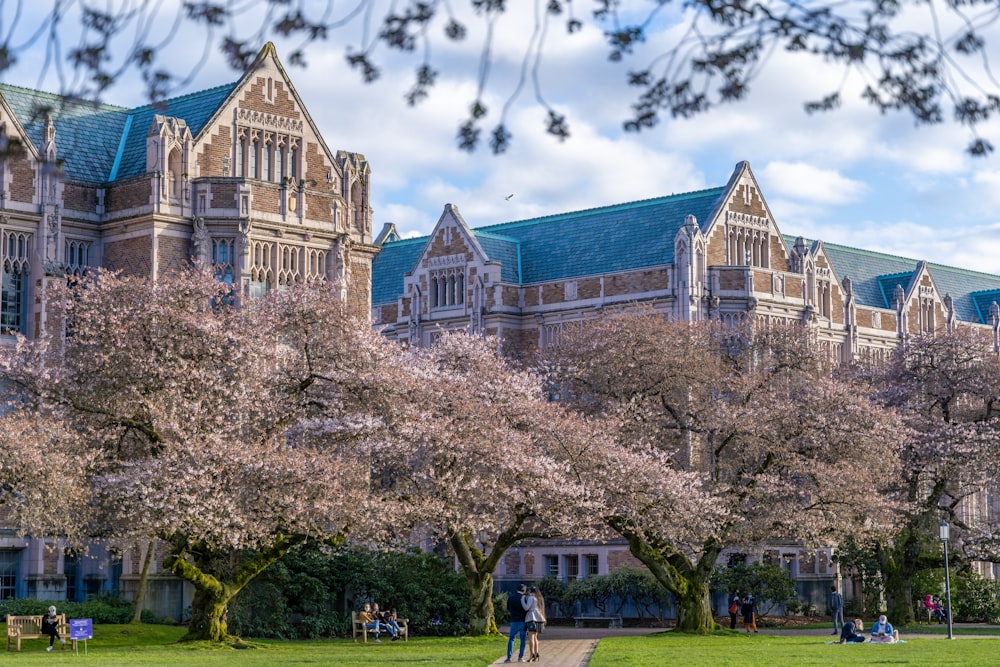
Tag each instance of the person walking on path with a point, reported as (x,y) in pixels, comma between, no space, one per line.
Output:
(836,604)
(517,627)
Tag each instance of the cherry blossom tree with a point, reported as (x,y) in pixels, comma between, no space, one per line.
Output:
(229,433)
(729,436)
(947,386)
(481,462)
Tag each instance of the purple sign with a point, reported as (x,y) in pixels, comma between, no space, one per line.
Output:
(81,628)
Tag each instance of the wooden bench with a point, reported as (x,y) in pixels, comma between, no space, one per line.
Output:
(612,621)
(358,628)
(30,627)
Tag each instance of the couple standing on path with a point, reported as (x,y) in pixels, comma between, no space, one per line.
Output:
(527,615)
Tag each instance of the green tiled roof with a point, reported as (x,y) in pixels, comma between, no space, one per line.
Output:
(195,109)
(623,237)
(87,134)
(609,239)
(874,277)
(889,283)
(396,259)
(101,142)
(505,250)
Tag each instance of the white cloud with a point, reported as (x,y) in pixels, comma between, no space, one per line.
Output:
(802,181)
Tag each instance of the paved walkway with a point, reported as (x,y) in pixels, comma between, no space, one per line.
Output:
(571,647)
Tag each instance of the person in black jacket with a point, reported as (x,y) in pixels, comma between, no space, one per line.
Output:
(849,632)
(734,609)
(50,627)
(517,625)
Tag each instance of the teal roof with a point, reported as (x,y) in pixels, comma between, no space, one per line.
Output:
(623,237)
(100,142)
(395,260)
(610,239)
(502,249)
(874,277)
(195,109)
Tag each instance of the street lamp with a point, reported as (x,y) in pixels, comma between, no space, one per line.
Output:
(943,531)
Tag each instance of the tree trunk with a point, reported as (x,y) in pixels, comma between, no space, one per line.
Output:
(687,581)
(208,615)
(478,570)
(481,618)
(140,591)
(898,564)
(694,607)
(212,595)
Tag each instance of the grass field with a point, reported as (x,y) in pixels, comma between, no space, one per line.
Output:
(727,648)
(157,645)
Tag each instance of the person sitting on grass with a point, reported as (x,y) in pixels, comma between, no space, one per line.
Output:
(850,632)
(883,632)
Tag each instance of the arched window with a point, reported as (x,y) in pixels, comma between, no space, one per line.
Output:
(254,170)
(241,150)
(176,173)
(434,292)
(279,163)
(265,161)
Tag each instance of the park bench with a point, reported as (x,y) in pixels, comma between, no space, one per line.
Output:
(30,627)
(358,628)
(613,621)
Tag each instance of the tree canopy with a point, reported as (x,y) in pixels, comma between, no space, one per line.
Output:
(728,436)
(930,60)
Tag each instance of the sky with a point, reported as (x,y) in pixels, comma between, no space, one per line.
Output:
(852,176)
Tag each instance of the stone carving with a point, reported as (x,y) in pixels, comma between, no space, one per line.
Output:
(201,242)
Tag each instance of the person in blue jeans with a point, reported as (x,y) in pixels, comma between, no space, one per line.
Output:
(836,605)
(517,626)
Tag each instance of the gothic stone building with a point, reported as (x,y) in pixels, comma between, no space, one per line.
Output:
(237,176)
(715,253)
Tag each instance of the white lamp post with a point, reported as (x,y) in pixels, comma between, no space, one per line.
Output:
(943,532)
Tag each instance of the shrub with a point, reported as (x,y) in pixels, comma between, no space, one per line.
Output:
(610,593)
(312,590)
(101,610)
(974,598)
(767,583)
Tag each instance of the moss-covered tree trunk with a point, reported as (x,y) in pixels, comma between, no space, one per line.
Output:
(482,620)
(478,568)
(899,562)
(694,607)
(685,579)
(212,593)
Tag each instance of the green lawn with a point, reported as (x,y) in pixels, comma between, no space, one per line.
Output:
(727,648)
(156,645)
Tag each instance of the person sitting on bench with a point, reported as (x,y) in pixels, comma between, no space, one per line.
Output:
(50,627)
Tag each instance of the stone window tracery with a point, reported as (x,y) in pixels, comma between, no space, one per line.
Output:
(749,240)
(315,264)
(77,254)
(288,268)
(447,288)
(16,247)
(261,271)
(223,258)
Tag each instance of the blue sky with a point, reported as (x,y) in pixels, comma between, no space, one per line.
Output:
(852,176)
